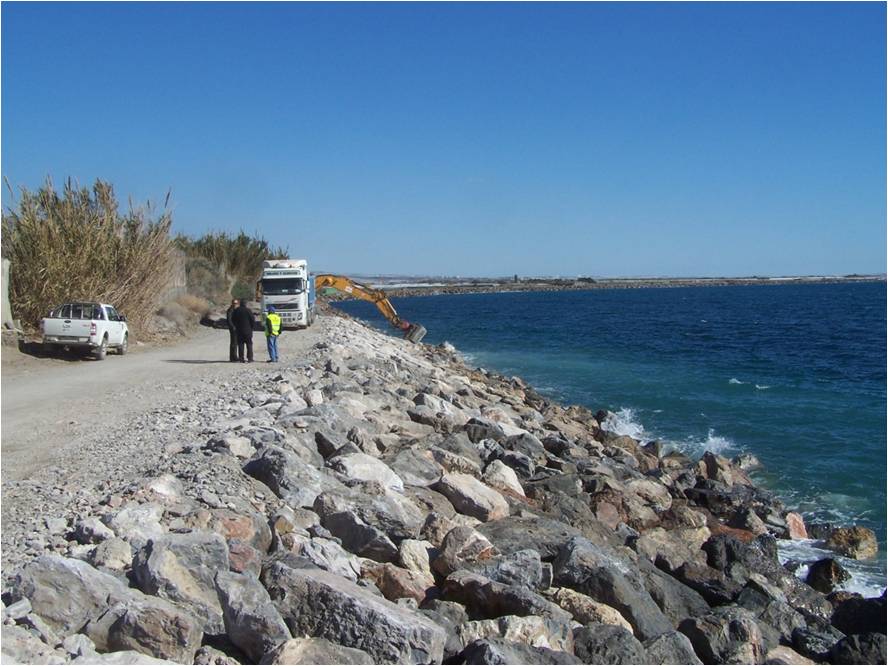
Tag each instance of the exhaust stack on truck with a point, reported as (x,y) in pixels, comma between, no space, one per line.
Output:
(285,284)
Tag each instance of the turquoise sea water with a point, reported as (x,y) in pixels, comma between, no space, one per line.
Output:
(795,374)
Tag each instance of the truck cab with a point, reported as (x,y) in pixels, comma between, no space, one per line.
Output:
(286,284)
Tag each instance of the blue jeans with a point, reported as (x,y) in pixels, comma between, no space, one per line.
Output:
(272,348)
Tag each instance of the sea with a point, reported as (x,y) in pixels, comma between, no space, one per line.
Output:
(793,373)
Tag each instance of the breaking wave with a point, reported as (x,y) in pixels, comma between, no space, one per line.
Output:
(734,380)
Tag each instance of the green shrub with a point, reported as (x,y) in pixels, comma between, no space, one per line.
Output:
(239,256)
(78,245)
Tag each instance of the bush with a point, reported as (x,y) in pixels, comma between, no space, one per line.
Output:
(206,280)
(79,246)
(195,304)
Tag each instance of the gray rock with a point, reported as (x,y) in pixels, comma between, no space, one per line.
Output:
(314,651)
(499,651)
(415,468)
(361,467)
(18,610)
(473,498)
(672,647)
(522,567)
(78,645)
(317,603)
(115,554)
(610,579)
(149,625)
(675,599)
(210,656)
(289,477)
(460,548)
(544,535)
(487,599)
(251,620)
(123,658)
(91,530)
(607,644)
(65,592)
(21,647)
(182,568)
(137,523)
(728,635)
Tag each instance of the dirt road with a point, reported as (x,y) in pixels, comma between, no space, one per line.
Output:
(47,405)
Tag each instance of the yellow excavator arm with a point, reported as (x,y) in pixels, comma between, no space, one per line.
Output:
(413,332)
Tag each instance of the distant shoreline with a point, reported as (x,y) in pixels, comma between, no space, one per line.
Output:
(439,287)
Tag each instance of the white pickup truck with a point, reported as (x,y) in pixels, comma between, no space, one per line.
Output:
(90,326)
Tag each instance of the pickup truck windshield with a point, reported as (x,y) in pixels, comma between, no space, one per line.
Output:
(283,286)
(77,311)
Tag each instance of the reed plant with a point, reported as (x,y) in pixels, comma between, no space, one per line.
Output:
(240,256)
(78,245)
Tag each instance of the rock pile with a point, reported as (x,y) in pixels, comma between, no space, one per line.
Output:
(380,502)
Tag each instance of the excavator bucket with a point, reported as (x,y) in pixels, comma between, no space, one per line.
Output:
(415,333)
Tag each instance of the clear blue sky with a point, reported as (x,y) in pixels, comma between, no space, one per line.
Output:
(473,139)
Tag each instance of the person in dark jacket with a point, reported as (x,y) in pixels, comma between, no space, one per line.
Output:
(243,324)
(232,332)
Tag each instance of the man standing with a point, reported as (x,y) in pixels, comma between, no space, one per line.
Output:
(243,324)
(272,333)
(232,332)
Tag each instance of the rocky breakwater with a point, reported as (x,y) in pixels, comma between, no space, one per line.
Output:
(380,502)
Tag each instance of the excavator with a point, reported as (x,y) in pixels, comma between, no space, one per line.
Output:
(412,332)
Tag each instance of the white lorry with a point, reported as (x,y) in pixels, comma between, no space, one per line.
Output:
(286,284)
(93,327)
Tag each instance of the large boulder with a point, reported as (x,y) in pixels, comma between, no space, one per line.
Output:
(499,651)
(361,467)
(314,651)
(289,477)
(544,535)
(182,569)
(473,498)
(728,635)
(670,648)
(251,620)
(66,592)
(149,625)
(857,542)
(487,599)
(608,578)
(585,610)
(462,546)
(860,615)
(607,644)
(20,646)
(500,476)
(859,649)
(826,575)
(416,468)
(137,523)
(320,604)
(527,630)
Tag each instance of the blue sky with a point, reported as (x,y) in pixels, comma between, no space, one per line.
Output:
(473,139)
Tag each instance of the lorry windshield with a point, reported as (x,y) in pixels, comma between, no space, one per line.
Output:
(283,286)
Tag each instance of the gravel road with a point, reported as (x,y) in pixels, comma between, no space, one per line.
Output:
(48,405)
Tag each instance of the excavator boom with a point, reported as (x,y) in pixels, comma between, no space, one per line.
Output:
(413,332)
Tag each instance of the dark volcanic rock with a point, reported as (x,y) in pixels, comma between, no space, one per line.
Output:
(826,574)
(815,644)
(544,535)
(859,649)
(675,599)
(607,644)
(251,620)
(859,615)
(726,636)
(487,599)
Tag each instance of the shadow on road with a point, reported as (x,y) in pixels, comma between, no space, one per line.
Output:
(39,350)
(193,361)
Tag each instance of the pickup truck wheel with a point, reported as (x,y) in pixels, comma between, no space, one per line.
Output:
(102,350)
(123,345)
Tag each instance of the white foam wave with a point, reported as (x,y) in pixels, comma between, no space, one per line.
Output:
(734,380)
(622,422)
(762,387)
(866,577)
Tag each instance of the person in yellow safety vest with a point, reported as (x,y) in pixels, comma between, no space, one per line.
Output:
(272,333)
